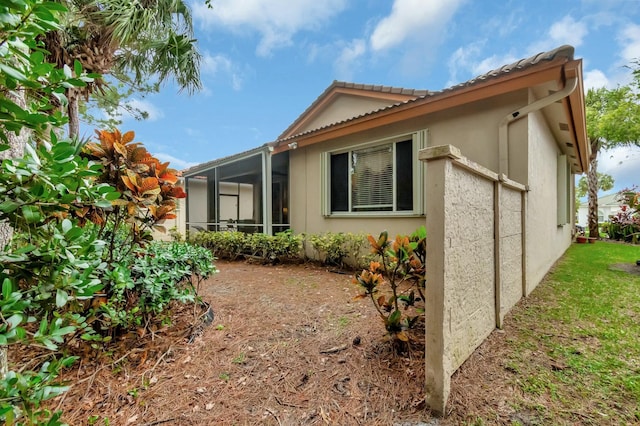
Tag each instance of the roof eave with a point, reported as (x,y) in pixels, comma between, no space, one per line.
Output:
(575,105)
(507,82)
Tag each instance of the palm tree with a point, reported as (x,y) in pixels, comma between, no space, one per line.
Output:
(613,120)
(141,38)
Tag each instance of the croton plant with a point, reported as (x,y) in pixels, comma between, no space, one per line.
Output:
(148,186)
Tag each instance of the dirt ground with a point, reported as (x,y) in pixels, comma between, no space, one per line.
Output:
(288,346)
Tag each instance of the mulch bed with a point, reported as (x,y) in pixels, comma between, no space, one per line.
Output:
(288,346)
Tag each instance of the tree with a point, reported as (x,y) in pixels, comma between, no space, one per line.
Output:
(27,87)
(605,183)
(613,120)
(141,39)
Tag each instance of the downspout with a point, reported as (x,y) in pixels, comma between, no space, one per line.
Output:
(503,127)
(503,158)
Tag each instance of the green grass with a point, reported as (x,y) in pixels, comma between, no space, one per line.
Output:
(576,351)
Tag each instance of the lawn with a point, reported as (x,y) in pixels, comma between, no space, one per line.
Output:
(569,354)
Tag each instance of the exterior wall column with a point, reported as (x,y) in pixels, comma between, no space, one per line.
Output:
(438,379)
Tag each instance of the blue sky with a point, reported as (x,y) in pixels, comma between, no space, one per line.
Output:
(266,61)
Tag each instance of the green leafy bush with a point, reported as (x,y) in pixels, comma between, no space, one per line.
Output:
(146,282)
(51,267)
(51,199)
(267,248)
(330,247)
(341,249)
(335,249)
(625,225)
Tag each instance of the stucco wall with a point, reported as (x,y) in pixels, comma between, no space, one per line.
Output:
(474,263)
(473,128)
(510,212)
(468,262)
(546,241)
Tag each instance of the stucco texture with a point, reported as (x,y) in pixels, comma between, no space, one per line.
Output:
(510,249)
(469,263)
(546,241)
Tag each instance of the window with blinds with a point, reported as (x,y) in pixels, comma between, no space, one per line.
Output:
(372,178)
(378,178)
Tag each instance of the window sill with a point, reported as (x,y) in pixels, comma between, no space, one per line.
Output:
(375,215)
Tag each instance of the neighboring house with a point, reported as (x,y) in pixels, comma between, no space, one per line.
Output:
(608,205)
(488,165)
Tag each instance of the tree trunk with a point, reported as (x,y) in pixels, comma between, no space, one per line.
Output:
(72,110)
(16,149)
(592,180)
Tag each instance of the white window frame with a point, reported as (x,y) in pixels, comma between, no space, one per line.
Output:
(419,141)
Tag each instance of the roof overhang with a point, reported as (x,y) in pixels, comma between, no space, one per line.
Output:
(556,71)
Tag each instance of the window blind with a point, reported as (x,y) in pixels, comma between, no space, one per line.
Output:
(372,178)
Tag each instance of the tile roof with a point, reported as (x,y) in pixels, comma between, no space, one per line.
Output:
(415,93)
(564,51)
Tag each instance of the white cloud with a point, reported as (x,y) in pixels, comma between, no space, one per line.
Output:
(568,31)
(412,19)
(214,65)
(347,61)
(595,79)
(175,163)
(466,61)
(154,113)
(460,61)
(623,164)
(492,62)
(629,39)
(565,31)
(276,21)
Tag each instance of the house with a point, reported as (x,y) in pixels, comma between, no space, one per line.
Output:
(608,205)
(488,165)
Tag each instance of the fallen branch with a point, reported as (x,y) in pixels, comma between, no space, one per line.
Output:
(334,349)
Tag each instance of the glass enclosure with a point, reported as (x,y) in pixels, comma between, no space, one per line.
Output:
(230,195)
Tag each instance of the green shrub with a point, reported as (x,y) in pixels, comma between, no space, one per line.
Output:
(625,225)
(341,249)
(334,249)
(144,284)
(284,246)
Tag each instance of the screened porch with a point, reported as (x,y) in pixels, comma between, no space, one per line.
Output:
(248,192)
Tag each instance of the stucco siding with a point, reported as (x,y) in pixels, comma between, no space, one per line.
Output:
(474,263)
(546,241)
(343,107)
(473,128)
(510,249)
(469,262)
